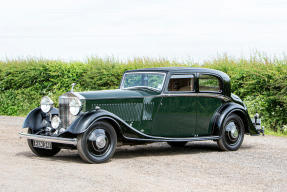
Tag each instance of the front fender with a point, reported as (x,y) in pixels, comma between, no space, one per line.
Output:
(240,110)
(35,117)
(82,123)
(85,120)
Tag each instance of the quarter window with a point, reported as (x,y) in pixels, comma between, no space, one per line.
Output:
(209,83)
(181,83)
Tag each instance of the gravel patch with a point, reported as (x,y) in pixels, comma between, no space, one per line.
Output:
(259,165)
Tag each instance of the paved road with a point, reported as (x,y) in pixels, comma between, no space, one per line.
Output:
(259,165)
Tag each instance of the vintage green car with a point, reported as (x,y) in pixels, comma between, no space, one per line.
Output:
(174,105)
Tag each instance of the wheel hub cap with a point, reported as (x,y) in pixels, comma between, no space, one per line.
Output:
(99,138)
(232,130)
(101,141)
(234,133)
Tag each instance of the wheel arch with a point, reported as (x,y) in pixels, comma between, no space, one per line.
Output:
(115,124)
(85,121)
(242,115)
(232,108)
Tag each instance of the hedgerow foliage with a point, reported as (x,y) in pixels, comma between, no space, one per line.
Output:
(262,84)
(259,81)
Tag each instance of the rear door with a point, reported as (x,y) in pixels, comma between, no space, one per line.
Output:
(176,116)
(208,101)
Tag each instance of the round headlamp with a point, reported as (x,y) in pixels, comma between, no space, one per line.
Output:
(46,104)
(75,106)
(55,122)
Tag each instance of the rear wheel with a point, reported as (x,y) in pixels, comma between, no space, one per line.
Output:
(98,143)
(177,144)
(232,133)
(42,152)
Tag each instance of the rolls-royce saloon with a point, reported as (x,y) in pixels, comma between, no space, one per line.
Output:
(174,105)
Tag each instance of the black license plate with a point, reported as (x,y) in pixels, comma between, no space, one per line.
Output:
(42,144)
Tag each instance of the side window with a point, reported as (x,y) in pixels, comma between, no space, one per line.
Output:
(181,83)
(209,83)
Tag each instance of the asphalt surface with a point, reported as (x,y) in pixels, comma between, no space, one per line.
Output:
(259,165)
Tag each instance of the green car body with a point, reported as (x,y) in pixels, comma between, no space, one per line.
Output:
(142,114)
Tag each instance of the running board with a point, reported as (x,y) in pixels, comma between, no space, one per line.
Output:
(168,139)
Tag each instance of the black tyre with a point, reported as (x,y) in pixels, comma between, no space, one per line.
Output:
(232,133)
(98,143)
(42,152)
(177,144)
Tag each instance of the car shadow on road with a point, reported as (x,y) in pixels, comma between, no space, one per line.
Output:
(164,149)
(65,155)
(125,152)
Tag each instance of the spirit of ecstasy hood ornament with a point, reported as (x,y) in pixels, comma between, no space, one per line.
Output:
(73,85)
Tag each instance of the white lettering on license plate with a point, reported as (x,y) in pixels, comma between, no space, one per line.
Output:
(42,144)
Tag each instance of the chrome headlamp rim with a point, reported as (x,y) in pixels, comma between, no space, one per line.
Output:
(75,106)
(55,121)
(46,104)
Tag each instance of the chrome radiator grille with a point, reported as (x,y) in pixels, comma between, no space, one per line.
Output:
(66,117)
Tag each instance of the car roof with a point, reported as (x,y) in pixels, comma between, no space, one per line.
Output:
(225,78)
(183,69)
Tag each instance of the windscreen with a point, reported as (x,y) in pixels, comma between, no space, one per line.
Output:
(148,80)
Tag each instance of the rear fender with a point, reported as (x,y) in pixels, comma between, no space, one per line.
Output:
(241,111)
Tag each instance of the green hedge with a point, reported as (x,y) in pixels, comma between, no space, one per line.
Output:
(259,81)
(262,84)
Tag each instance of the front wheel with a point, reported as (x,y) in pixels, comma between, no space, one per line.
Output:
(232,133)
(98,143)
(42,152)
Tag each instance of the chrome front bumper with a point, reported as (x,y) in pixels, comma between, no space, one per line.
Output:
(70,141)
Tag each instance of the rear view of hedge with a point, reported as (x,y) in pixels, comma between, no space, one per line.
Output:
(260,82)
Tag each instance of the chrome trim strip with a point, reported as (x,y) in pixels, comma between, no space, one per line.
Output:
(187,94)
(71,141)
(194,94)
(218,95)
(181,94)
(139,97)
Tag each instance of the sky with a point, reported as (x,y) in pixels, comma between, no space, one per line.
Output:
(197,30)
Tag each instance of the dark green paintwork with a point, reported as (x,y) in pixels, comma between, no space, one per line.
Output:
(206,108)
(152,113)
(136,107)
(176,116)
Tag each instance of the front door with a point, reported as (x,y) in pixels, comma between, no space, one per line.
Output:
(176,116)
